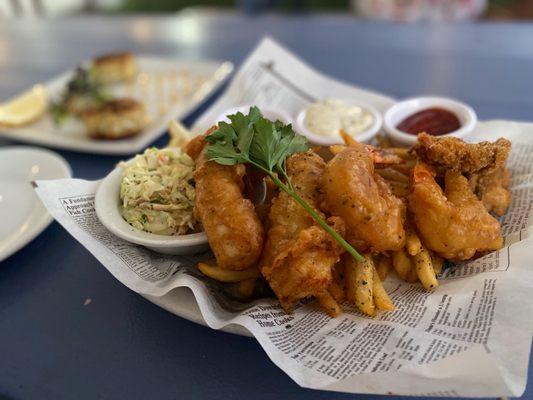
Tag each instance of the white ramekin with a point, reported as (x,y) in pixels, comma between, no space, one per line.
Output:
(107,205)
(405,108)
(318,140)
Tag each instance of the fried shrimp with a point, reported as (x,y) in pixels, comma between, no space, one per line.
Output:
(374,217)
(452,153)
(299,256)
(233,229)
(453,223)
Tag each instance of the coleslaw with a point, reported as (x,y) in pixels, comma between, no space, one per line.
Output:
(157,192)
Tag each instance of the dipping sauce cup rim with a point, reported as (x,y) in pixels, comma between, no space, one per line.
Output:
(405,108)
(363,137)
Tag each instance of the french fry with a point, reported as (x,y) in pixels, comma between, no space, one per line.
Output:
(412,241)
(227,275)
(393,175)
(404,167)
(438,263)
(359,278)
(425,271)
(383,266)
(401,263)
(337,148)
(179,135)
(381,298)
(402,152)
(246,288)
(348,140)
(328,302)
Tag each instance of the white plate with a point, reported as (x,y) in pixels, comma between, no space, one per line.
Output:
(193,82)
(181,302)
(22,214)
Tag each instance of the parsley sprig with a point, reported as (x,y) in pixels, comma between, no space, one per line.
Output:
(252,139)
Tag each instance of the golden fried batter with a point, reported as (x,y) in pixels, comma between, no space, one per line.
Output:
(299,256)
(454,154)
(492,189)
(233,229)
(374,217)
(453,223)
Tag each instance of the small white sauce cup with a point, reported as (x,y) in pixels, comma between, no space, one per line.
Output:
(405,108)
(268,113)
(318,140)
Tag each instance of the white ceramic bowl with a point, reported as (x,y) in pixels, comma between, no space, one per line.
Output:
(268,113)
(403,109)
(107,205)
(317,140)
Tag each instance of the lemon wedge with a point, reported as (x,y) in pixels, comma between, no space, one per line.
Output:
(24,108)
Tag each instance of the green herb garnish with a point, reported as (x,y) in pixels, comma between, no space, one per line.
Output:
(252,139)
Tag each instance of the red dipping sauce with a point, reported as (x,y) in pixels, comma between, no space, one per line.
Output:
(433,121)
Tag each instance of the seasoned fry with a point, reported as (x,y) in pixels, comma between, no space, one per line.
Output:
(391,174)
(412,241)
(179,135)
(383,266)
(405,167)
(424,270)
(381,298)
(401,263)
(328,302)
(359,284)
(226,275)
(402,152)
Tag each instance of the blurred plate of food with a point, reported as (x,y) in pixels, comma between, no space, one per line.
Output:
(22,213)
(115,104)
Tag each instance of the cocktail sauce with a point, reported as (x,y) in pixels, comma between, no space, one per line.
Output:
(434,121)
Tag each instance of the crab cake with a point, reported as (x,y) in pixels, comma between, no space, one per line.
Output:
(115,119)
(114,68)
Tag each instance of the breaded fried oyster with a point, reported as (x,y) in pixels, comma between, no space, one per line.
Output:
(114,68)
(115,119)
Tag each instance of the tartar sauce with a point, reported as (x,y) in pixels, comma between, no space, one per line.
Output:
(327,118)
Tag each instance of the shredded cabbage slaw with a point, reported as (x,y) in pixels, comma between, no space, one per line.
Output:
(157,192)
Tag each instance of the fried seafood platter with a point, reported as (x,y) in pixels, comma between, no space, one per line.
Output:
(336,221)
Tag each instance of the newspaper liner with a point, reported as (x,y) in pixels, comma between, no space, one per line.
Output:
(469,338)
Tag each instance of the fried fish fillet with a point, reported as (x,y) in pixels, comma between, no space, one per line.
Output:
(374,217)
(299,255)
(452,153)
(453,223)
(233,229)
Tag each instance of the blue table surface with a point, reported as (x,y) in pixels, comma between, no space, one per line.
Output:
(122,346)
